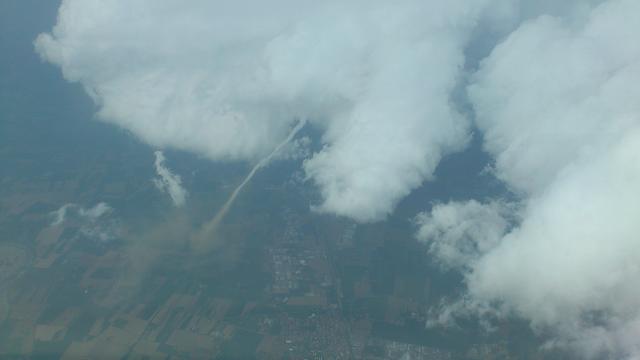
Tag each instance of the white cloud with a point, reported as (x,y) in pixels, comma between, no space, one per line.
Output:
(60,215)
(570,267)
(227,80)
(92,222)
(76,211)
(458,233)
(576,254)
(574,96)
(95,212)
(169,182)
(558,103)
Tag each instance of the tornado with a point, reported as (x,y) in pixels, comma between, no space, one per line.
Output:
(209,228)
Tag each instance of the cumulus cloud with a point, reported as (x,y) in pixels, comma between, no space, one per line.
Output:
(573,262)
(574,97)
(169,182)
(458,233)
(558,104)
(227,80)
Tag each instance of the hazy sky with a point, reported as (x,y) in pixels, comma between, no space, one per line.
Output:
(393,88)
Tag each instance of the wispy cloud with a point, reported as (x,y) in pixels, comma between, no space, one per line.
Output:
(91,214)
(169,182)
(93,222)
